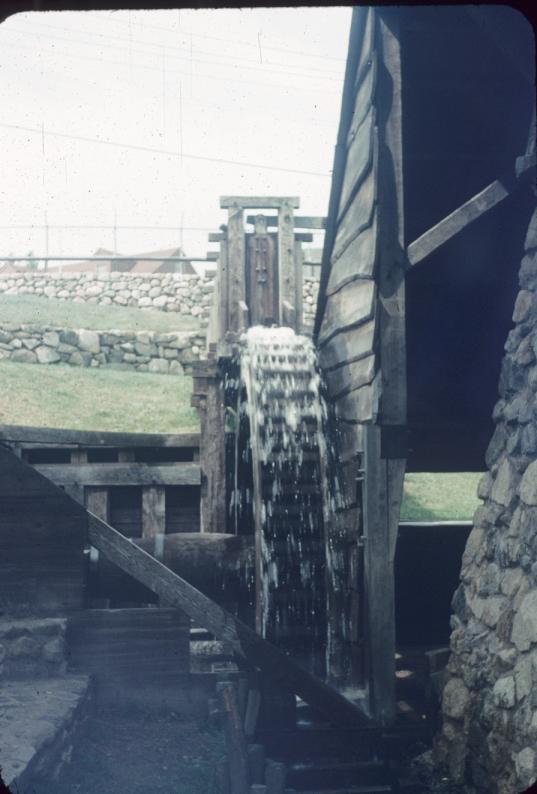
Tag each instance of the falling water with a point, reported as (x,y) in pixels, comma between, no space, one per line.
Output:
(292,500)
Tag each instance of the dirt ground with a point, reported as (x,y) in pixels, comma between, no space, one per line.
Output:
(119,751)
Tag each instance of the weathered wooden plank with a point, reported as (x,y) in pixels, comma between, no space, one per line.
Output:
(221,297)
(382,491)
(391,265)
(52,436)
(212,458)
(348,346)
(368,46)
(244,641)
(299,288)
(360,212)
(364,98)
(286,264)
(358,260)
(121,474)
(301,221)
(153,510)
(236,256)
(349,441)
(216,237)
(353,305)
(124,643)
(379,582)
(359,160)
(352,376)
(237,756)
(259,202)
(464,215)
(358,406)
(98,502)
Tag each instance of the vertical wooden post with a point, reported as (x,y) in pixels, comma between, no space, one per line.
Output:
(235,739)
(286,251)
(299,290)
(98,502)
(222,296)
(379,585)
(236,265)
(384,477)
(210,404)
(153,511)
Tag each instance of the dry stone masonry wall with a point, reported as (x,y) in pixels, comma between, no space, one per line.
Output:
(187,296)
(145,351)
(489,733)
(31,647)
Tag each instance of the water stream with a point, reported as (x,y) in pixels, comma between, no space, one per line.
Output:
(294,499)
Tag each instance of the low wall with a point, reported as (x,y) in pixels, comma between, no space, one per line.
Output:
(32,647)
(145,351)
(187,296)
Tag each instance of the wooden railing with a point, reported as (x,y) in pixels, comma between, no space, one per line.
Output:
(246,644)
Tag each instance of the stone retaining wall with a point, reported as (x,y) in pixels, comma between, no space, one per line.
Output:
(187,296)
(32,647)
(145,351)
(489,732)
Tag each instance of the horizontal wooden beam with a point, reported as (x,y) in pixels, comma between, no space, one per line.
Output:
(246,644)
(468,212)
(299,221)
(216,237)
(53,436)
(104,474)
(212,256)
(259,202)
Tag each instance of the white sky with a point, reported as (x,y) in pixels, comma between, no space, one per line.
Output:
(261,86)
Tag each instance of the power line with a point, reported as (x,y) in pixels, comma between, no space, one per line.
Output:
(169,153)
(175,47)
(233,41)
(198,75)
(284,72)
(244,109)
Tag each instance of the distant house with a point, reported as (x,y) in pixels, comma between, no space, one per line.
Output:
(9,269)
(159,262)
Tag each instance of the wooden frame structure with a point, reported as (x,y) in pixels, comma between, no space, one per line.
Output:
(91,465)
(362,325)
(258,281)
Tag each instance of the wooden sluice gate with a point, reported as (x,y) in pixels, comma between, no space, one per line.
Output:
(263,416)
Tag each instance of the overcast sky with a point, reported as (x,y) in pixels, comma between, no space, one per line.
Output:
(259,86)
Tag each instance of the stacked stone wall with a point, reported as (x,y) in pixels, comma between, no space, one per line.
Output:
(31,647)
(144,351)
(489,733)
(186,296)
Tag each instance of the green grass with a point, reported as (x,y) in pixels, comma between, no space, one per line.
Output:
(95,399)
(440,497)
(34,309)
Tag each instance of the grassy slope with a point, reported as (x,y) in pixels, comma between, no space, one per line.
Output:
(440,497)
(95,399)
(27,309)
(102,399)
